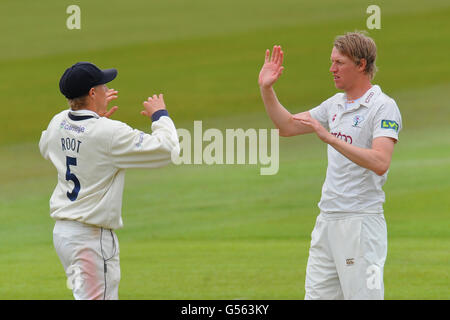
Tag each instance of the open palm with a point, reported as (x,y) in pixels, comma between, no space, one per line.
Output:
(272,68)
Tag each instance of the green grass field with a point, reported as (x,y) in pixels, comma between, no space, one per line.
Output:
(223,232)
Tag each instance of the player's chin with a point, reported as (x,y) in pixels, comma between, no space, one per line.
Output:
(338,84)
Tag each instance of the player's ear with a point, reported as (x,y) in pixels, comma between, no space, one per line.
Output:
(362,64)
(92,92)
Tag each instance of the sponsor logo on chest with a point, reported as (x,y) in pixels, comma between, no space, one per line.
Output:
(346,137)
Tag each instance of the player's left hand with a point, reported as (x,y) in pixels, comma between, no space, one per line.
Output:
(111,94)
(306,119)
(153,104)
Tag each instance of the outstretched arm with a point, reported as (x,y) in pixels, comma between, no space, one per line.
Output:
(269,74)
(378,158)
(131,148)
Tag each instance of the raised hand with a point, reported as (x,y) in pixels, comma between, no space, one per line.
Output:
(111,94)
(272,68)
(153,104)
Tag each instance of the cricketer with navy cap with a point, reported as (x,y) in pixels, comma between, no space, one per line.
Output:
(90,153)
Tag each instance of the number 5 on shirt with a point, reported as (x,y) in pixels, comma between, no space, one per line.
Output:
(72,177)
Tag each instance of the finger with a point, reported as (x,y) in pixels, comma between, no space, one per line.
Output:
(274,54)
(155,96)
(111,111)
(301,119)
(267,56)
(280,59)
(280,71)
(144,113)
(279,55)
(111,93)
(306,123)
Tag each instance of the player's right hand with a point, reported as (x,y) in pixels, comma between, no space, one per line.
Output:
(153,104)
(111,94)
(272,68)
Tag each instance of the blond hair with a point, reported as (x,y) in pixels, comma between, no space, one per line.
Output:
(78,103)
(357,46)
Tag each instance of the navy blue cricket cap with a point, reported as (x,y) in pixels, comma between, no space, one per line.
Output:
(81,77)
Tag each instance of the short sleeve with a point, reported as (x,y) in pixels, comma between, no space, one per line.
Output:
(387,121)
(320,113)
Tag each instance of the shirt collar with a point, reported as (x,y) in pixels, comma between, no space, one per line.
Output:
(365,100)
(369,97)
(84,112)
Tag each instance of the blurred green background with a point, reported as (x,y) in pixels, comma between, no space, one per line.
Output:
(223,231)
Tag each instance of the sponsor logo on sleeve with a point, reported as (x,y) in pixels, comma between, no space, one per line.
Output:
(141,139)
(389,124)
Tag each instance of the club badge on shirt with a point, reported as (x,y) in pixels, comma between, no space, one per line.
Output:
(357,121)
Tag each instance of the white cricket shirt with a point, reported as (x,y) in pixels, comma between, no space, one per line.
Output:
(91,153)
(348,187)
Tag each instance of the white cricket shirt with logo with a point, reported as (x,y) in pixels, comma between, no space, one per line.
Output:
(349,187)
(91,154)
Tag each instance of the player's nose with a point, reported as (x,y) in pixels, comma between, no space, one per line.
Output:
(333,68)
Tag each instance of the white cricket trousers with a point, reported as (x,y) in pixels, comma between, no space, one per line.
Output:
(90,257)
(346,257)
